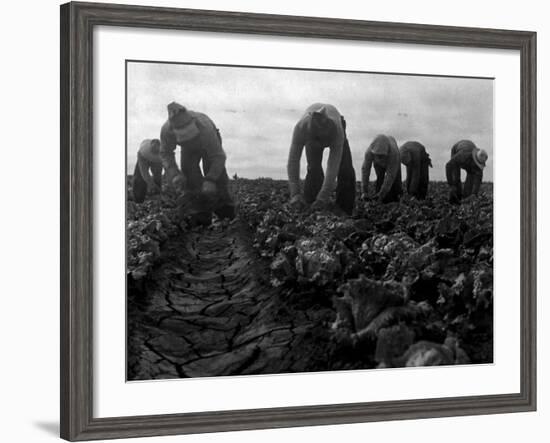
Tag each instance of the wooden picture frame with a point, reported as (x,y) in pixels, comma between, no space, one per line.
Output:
(77,23)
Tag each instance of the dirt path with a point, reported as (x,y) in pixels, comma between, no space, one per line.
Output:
(208,310)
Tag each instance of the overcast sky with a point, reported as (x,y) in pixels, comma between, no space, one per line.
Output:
(256,110)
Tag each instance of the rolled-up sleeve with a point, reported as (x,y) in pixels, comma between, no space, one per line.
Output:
(452,168)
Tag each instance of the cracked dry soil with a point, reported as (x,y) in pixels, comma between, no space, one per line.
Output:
(208,310)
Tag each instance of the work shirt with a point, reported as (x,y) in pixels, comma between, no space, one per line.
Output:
(332,135)
(388,145)
(414,157)
(207,143)
(462,156)
(412,154)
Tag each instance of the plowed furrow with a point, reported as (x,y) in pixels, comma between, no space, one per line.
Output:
(208,310)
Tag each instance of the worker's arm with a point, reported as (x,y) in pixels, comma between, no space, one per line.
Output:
(333,166)
(452,171)
(406,156)
(294,157)
(452,168)
(392,170)
(167,155)
(365,171)
(143,166)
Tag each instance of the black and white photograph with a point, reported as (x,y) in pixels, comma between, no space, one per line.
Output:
(275,221)
(286,220)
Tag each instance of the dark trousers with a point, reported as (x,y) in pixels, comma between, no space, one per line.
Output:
(419,173)
(397,188)
(471,184)
(223,206)
(424,177)
(346,183)
(139,185)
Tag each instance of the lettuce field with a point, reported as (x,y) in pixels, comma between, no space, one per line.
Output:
(278,290)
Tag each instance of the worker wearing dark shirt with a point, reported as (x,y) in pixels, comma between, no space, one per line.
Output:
(465,155)
(417,162)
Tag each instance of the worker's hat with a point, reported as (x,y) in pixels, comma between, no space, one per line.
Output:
(182,122)
(320,109)
(380,145)
(480,157)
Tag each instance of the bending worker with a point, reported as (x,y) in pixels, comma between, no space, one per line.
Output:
(417,161)
(199,140)
(148,161)
(465,155)
(322,126)
(384,155)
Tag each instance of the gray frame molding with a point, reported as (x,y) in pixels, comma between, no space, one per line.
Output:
(77,23)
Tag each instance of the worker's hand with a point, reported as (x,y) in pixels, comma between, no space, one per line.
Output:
(297,202)
(178,182)
(209,187)
(453,196)
(319,205)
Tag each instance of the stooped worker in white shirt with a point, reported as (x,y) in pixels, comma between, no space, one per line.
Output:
(321,126)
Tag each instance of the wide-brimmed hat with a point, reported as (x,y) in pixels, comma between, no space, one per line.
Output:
(178,115)
(182,122)
(480,157)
